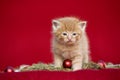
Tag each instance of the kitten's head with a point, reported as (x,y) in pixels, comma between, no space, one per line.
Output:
(68,30)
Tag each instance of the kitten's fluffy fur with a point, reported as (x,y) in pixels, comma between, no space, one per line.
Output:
(70,42)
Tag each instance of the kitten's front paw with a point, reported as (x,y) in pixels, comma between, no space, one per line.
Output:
(57,65)
(76,68)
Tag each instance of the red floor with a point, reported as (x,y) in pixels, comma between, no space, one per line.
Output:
(108,74)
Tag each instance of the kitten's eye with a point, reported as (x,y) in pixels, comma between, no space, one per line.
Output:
(65,34)
(74,34)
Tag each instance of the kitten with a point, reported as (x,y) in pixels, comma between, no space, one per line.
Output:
(70,42)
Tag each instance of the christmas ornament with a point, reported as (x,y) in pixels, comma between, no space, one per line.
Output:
(9,69)
(102,64)
(67,63)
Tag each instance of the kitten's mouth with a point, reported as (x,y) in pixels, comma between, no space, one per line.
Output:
(69,42)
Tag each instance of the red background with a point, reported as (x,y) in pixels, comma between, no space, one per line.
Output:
(25,27)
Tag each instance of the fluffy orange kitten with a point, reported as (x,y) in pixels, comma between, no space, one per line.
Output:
(70,42)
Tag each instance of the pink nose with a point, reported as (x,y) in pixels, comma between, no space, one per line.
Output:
(69,38)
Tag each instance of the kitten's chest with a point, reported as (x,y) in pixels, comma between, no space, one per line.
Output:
(67,52)
(66,49)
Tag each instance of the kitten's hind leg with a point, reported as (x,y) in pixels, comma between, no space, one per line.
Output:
(58,61)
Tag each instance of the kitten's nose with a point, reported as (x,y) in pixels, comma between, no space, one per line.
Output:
(69,38)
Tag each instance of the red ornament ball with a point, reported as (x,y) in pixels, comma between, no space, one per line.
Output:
(102,64)
(67,63)
(9,69)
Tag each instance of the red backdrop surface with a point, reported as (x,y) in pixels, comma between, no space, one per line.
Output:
(25,27)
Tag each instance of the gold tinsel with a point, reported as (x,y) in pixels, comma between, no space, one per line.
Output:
(51,67)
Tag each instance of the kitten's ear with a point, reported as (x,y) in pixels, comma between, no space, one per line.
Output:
(55,25)
(82,25)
